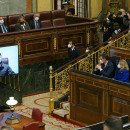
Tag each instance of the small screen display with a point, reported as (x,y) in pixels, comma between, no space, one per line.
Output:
(9,60)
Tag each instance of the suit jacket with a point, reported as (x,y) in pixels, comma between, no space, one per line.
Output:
(6,26)
(32,24)
(73,54)
(108,71)
(18,27)
(122,26)
(108,30)
(122,75)
(5,70)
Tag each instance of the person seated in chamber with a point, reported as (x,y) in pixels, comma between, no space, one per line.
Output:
(123,71)
(22,25)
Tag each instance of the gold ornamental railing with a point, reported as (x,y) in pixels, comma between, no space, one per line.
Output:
(60,79)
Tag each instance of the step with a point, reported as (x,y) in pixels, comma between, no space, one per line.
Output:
(65,105)
(61,112)
(64,115)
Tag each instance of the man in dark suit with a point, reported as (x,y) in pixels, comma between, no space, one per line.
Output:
(107,30)
(119,20)
(22,25)
(73,52)
(106,68)
(3,27)
(35,23)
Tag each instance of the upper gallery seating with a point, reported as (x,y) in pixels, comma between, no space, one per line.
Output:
(51,40)
(45,18)
(48,18)
(12,21)
(58,18)
(28,16)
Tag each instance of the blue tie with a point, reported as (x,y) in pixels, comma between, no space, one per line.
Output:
(4,29)
(37,26)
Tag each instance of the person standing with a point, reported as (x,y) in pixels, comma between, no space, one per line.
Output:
(73,51)
(119,19)
(108,27)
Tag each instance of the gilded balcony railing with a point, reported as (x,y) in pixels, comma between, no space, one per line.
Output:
(86,64)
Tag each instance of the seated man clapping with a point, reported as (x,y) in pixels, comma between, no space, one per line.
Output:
(106,68)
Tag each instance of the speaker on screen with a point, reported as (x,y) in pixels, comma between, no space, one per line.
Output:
(9,60)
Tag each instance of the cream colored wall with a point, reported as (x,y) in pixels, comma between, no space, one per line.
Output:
(44,5)
(96,8)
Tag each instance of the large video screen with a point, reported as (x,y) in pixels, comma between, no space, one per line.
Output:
(9,60)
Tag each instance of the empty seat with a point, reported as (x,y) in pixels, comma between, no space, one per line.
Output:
(37,114)
(28,16)
(46,24)
(58,18)
(31,126)
(45,18)
(12,21)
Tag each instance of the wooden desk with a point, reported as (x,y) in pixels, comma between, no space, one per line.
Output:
(93,98)
(45,44)
(23,121)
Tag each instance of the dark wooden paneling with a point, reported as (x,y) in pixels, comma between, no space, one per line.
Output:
(120,53)
(36,45)
(78,36)
(51,43)
(93,99)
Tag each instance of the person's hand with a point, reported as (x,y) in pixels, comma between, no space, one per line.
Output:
(114,16)
(108,14)
(98,67)
(123,13)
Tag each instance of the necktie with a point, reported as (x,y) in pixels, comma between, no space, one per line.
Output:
(4,29)
(37,26)
(104,67)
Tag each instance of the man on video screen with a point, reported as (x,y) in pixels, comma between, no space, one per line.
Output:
(4,68)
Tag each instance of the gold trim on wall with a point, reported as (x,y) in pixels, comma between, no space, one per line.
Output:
(48,7)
